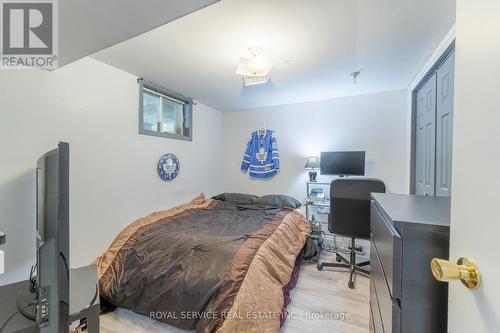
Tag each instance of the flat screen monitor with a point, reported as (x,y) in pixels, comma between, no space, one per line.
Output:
(345,163)
(52,241)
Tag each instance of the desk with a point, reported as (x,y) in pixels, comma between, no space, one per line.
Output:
(309,203)
(315,234)
(83,301)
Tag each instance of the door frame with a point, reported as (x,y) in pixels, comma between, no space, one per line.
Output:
(413,145)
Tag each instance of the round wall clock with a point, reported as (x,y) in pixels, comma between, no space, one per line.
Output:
(168,167)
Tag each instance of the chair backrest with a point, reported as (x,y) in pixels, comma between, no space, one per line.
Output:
(350,206)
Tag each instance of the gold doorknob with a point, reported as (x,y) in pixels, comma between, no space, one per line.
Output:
(464,270)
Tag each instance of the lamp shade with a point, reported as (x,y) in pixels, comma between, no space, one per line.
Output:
(312,163)
(255,65)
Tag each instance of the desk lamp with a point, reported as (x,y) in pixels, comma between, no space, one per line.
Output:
(312,164)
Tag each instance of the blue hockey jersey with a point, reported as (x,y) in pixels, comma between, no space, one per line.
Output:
(261,157)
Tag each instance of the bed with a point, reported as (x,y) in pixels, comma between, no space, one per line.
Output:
(224,264)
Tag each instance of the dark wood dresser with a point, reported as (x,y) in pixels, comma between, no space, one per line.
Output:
(407,232)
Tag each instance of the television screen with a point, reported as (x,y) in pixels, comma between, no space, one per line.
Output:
(349,163)
(52,232)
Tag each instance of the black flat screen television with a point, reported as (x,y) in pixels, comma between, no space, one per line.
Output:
(52,241)
(344,163)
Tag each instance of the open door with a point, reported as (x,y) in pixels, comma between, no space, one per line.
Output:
(475,216)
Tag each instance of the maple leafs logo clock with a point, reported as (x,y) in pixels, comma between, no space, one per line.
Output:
(168,167)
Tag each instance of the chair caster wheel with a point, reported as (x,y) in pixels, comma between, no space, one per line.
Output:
(338,259)
(351,284)
(320,267)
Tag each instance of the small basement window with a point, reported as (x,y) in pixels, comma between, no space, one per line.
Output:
(164,113)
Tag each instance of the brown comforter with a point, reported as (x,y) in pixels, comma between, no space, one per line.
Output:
(208,265)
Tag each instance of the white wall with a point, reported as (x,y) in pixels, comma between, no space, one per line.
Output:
(375,123)
(113,176)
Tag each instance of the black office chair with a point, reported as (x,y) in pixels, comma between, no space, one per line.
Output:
(350,217)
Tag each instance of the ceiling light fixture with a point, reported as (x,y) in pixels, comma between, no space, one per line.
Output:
(355,76)
(255,80)
(254,69)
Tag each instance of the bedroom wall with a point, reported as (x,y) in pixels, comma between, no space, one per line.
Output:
(113,176)
(375,123)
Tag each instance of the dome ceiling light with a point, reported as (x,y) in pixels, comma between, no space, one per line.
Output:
(254,69)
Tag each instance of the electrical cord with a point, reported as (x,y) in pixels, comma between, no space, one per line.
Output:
(13,315)
(32,279)
(338,247)
(33,289)
(22,309)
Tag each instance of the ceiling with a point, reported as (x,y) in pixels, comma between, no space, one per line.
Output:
(315,44)
(87,26)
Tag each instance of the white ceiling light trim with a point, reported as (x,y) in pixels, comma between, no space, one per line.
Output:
(256,68)
(255,80)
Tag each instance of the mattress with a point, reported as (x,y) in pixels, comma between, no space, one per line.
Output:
(208,265)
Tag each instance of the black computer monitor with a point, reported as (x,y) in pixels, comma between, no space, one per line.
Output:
(52,241)
(344,163)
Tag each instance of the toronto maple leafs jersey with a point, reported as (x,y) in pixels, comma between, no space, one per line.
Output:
(261,158)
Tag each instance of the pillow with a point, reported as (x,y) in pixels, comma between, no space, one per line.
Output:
(238,198)
(199,199)
(278,200)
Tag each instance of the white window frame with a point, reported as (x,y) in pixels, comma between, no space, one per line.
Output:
(187,110)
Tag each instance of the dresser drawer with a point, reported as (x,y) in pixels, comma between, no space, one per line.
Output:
(387,243)
(375,319)
(388,307)
(379,285)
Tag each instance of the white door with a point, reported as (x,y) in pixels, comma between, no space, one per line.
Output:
(444,126)
(426,138)
(475,217)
